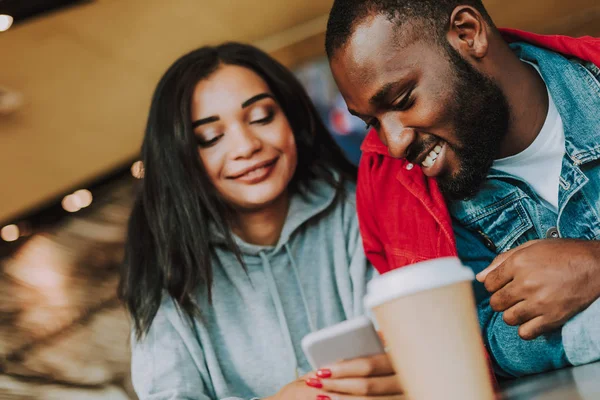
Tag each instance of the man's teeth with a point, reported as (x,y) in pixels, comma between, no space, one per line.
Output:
(433,155)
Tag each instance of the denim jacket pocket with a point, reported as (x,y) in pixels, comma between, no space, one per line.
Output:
(502,224)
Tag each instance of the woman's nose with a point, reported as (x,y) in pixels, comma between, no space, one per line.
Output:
(245,143)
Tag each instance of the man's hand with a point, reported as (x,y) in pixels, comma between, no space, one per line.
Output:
(543,283)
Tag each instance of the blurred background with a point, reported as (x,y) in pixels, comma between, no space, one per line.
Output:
(75,84)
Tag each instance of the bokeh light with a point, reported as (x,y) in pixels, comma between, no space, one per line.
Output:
(6,22)
(137,169)
(10,233)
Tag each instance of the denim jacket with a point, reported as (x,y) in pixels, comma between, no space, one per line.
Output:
(507,213)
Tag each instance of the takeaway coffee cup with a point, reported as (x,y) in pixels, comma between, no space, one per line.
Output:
(427,315)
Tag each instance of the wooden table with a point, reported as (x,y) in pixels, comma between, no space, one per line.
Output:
(579,383)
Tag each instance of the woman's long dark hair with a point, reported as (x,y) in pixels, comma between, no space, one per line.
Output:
(167,247)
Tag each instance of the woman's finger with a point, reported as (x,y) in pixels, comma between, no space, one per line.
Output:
(378,365)
(332,396)
(378,386)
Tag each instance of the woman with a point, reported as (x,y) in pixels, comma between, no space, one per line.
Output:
(244,238)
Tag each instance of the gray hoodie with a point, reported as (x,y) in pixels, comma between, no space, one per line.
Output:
(247,344)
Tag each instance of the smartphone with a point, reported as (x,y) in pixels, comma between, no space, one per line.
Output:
(347,340)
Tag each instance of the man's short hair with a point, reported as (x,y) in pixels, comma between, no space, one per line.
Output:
(433,15)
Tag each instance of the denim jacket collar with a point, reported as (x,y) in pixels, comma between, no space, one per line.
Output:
(576,93)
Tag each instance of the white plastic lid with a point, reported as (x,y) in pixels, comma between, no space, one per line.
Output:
(415,278)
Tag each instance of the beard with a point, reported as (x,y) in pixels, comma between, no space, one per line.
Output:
(481,117)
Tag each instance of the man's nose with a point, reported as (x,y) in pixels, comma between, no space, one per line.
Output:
(397,138)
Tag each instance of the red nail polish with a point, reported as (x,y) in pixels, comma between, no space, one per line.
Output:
(324,373)
(312,382)
(323,397)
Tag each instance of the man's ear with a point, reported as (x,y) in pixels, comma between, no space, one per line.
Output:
(468,33)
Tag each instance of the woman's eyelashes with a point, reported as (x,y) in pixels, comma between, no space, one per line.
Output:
(208,142)
(262,118)
(265,117)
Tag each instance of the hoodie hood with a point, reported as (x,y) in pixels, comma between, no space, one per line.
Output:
(304,206)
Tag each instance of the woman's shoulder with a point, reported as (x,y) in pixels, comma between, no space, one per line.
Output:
(340,196)
(350,188)
(346,196)
(329,206)
(344,205)
(349,205)
(171,314)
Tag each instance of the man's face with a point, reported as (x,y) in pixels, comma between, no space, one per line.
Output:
(427,103)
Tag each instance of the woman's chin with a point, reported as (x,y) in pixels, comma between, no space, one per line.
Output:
(259,199)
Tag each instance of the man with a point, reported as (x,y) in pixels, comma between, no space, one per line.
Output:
(509,136)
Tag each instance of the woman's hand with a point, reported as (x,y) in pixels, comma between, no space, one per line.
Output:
(361,378)
(369,378)
(297,390)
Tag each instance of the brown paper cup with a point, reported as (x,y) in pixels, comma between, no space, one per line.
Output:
(427,315)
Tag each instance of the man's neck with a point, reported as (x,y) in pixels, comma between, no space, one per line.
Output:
(527,97)
(262,227)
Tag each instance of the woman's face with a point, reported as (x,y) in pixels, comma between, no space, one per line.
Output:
(246,143)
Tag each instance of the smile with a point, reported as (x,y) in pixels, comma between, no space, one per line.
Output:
(255,173)
(433,164)
(432,156)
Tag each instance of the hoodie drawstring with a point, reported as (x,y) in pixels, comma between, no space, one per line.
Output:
(272,285)
(311,323)
(279,309)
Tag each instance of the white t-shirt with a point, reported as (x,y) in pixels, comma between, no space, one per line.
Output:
(540,164)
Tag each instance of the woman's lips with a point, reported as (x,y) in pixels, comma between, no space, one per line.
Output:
(257,173)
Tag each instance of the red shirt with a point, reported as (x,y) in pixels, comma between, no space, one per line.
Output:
(402,214)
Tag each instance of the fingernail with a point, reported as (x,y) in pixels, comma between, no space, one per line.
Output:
(324,373)
(312,382)
(479,277)
(323,397)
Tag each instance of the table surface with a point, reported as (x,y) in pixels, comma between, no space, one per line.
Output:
(579,383)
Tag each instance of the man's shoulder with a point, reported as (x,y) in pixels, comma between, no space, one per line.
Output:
(584,48)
